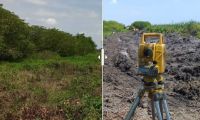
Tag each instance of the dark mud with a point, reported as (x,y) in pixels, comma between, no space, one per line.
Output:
(182,77)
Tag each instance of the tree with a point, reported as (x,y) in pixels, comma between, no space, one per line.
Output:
(140,25)
(15,36)
(112,26)
(18,39)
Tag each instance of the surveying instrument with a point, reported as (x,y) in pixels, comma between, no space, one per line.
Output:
(151,55)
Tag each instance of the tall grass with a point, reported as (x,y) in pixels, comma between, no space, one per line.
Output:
(184,28)
(64,87)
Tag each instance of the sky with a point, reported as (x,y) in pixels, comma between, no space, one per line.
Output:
(154,11)
(72,16)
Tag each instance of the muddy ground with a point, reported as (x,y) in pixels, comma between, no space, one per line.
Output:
(182,77)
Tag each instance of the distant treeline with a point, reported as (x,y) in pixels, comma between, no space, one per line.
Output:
(19,40)
(185,28)
(112,26)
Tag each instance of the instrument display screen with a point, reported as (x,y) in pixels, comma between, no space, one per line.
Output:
(152,39)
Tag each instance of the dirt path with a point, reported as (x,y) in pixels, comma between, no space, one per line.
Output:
(182,77)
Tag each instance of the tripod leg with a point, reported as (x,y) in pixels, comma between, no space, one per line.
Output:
(166,109)
(134,105)
(161,107)
(157,106)
(153,110)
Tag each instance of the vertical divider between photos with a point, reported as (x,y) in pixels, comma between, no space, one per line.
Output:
(102,54)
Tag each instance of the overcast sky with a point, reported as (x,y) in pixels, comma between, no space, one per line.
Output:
(155,11)
(73,16)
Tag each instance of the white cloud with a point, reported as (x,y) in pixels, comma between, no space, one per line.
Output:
(50,13)
(45,13)
(37,2)
(51,21)
(8,1)
(48,21)
(114,1)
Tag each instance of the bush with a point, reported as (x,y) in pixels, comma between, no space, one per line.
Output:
(140,25)
(112,26)
(193,28)
(14,37)
(19,40)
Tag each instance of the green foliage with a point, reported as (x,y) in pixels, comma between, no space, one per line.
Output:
(112,26)
(167,28)
(140,25)
(19,40)
(72,84)
(14,37)
(63,43)
(48,67)
(193,28)
(185,28)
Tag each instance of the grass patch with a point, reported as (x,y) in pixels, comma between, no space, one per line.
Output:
(68,84)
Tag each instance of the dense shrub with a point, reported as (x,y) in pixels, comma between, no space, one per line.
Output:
(193,28)
(140,25)
(14,37)
(112,26)
(18,39)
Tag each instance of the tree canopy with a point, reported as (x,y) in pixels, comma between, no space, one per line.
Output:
(140,25)
(18,39)
(112,26)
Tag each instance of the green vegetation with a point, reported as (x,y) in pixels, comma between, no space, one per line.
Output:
(71,85)
(112,26)
(47,74)
(141,25)
(187,28)
(18,40)
(191,28)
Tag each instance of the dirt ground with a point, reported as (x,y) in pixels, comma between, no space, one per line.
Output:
(182,77)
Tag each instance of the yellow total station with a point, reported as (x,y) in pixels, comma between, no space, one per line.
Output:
(151,55)
(152,48)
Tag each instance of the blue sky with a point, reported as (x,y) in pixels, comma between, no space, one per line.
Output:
(154,11)
(73,16)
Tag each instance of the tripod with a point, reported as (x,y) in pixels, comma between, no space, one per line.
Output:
(158,101)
